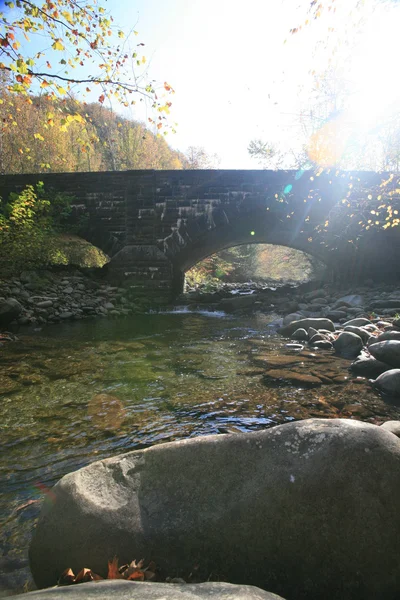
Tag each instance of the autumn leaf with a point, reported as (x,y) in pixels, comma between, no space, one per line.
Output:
(67,577)
(58,45)
(101,98)
(87,575)
(113,572)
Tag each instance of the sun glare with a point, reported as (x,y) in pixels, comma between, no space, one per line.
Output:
(373,72)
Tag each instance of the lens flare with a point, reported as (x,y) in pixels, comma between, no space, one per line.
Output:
(327,145)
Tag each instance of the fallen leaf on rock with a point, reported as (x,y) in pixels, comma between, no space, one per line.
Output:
(67,577)
(113,571)
(87,575)
(132,572)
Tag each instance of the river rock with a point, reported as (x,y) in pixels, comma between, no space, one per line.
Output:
(131,590)
(389,303)
(306,324)
(359,322)
(364,335)
(66,315)
(323,345)
(386,335)
(368,367)
(300,334)
(291,317)
(393,426)
(312,332)
(352,300)
(348,344)
(336,315)
(10,309)
(302,500)
(240,302)
(317,338)
(389,382)
(44,304)
(387,352)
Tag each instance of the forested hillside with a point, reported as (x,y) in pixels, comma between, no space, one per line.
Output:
(39,134)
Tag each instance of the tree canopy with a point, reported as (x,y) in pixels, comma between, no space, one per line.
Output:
(85,37)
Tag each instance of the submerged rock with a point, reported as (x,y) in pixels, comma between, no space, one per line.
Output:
(302,502)
(293,377)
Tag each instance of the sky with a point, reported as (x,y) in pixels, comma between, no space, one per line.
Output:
(238,73)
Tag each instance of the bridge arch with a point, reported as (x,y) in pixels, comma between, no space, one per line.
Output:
(190,243)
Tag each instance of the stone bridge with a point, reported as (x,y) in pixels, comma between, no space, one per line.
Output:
(155,225)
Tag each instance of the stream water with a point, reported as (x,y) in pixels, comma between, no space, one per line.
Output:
(71,394)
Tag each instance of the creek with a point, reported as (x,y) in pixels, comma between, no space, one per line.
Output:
(77,392)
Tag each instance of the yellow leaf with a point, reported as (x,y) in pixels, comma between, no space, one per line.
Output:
(58,45)
(37,136)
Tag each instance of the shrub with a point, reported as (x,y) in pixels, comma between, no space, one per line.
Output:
(28,223)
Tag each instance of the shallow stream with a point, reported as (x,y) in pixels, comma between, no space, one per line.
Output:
(78,392)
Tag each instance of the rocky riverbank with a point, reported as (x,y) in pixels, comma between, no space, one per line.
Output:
(40,297)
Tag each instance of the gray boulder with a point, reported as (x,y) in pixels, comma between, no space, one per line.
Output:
(348,344)
(389,382)
(296,509)
(287,330)
(393,426)
(10,309)
(130,590)
(387,352)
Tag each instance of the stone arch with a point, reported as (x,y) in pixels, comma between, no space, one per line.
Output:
(193,241)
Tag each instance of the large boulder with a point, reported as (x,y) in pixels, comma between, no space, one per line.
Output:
(10,309)
(308,509)
(131,590)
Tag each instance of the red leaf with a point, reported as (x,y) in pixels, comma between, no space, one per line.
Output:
(113,572)
(101,99)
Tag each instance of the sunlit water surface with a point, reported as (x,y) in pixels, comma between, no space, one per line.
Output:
(88,390)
